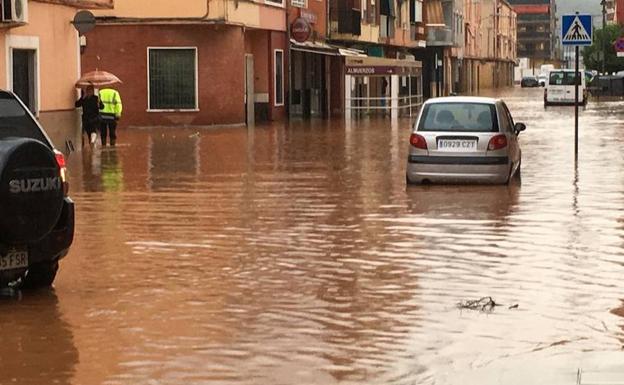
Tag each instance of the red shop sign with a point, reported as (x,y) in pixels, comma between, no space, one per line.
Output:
(300,30)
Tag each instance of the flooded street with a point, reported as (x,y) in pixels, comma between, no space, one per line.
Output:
(295,254)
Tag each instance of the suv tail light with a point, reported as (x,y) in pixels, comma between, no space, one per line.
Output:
(60,160)
(497,142)
(418,141)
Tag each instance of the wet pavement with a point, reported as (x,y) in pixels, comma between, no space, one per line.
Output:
(294,254)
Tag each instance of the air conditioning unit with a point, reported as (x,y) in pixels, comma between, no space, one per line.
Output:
(15,11)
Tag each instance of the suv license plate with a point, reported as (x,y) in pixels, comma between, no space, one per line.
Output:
(14,259)
(457,145)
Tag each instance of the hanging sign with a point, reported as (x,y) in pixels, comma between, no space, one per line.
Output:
(300,30)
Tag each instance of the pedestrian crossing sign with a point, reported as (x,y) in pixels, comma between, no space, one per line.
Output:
(576,30)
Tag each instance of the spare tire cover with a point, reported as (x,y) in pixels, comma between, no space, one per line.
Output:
(31,191)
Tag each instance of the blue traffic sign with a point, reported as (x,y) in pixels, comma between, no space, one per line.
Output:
(576,30)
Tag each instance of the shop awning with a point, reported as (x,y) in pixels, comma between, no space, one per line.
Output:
(434,16)
(322,48)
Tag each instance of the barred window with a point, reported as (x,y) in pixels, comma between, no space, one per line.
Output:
(172,78)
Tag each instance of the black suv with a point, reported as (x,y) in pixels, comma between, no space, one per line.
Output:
(36,215)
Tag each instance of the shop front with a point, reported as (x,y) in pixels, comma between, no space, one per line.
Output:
(381,86)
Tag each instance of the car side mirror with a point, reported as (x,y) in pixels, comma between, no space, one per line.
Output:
(519,127)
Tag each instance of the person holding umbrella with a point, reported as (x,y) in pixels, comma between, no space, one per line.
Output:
(91,106)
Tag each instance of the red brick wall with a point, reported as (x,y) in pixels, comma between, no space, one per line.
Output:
(619,7)
(122,49)
(319,9)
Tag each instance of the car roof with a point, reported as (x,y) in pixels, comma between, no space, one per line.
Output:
(462,99)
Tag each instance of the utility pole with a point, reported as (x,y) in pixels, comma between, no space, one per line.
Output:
(604,32)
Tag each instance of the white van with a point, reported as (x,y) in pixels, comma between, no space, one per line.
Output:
(560,87)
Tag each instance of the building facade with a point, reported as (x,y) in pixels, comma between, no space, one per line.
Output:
(490,45)
(614,11)
(40,62)
(214,62)
(311,59)
(538,34)
(376,70)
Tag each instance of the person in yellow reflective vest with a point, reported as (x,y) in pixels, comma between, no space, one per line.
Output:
(110,114)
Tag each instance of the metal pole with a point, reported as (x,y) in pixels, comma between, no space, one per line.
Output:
(604,35)
(577,80)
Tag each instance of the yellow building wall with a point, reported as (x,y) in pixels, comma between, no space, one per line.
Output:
(50,32)
(254,14)
(58,54)
(157,8)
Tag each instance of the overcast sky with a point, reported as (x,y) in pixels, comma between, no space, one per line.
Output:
(584,6)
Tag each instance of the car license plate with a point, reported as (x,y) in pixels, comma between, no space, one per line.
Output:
(457,145)
(14,259)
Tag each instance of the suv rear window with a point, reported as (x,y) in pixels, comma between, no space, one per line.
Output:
(459,117)
(15,121)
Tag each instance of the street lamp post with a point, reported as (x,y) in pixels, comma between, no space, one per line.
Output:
(604,23)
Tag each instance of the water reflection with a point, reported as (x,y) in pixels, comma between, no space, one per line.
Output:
(294,253)
(36,343)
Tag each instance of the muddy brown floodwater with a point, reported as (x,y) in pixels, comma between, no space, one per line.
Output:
(294,254)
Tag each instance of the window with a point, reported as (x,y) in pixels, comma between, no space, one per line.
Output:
(563,78)
(172,78)
(416,12)
(15,121)
(387,18)
(363,7)
(279,77)
(349,17)
(276,2)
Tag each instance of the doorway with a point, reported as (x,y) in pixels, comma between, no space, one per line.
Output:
(24,76)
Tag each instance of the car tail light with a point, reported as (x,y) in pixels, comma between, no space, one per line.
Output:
(497,142)
(60,160)
(418,141)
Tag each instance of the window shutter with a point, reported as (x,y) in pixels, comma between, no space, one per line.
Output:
(345,24)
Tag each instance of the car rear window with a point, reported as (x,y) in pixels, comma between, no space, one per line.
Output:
(15,121)
(459,117)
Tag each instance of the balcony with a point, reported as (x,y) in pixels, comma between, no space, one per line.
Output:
(439,36)
(440,17)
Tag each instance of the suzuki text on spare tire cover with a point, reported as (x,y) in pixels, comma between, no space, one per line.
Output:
(36,215)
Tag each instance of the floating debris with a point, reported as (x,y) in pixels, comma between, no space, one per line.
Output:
(483,304)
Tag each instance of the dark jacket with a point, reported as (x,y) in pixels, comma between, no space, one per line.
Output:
(91,106)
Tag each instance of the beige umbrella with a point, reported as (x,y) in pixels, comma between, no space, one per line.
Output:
(97,79)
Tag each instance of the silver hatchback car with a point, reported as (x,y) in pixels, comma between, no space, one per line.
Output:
(464,139)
